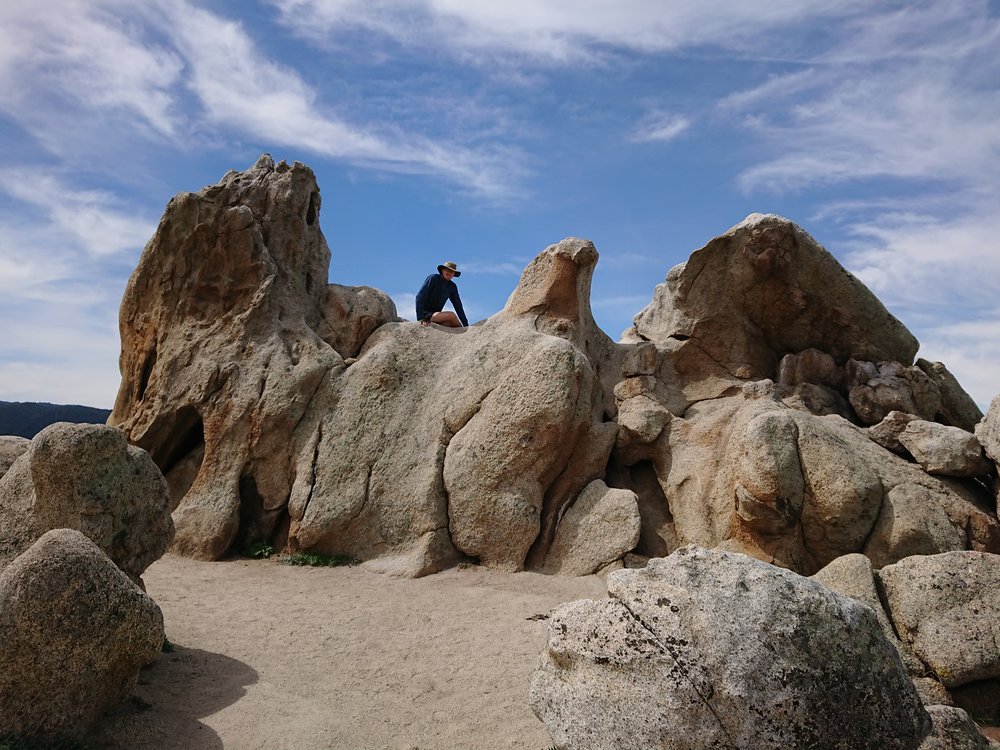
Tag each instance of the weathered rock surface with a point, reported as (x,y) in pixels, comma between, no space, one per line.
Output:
(86,477)
(853,576)
(988,431)
(599,528)
(220,354)
(427,447)
(877,388)
(481,462)
(350,314)
(706,649)
(799,490)
(76,631)
(11,446)
(763,289)
(284,409)
(886,433)
(953,730)
(958,408)
(946,608)
(939,449)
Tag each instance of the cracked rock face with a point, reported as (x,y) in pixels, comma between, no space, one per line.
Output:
(706,649)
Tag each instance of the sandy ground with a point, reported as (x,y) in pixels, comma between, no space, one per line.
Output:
(274,656)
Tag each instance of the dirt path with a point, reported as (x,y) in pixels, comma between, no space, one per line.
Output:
(269,656)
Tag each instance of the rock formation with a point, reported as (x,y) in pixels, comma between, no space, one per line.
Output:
(284,409)
(11,446)
(941,613)
(706,649)
(76,631)
(88,478)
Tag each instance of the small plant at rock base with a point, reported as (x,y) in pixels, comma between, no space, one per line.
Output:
(318,560)
(261,550)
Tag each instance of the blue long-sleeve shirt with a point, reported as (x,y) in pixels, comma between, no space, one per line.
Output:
(435,291)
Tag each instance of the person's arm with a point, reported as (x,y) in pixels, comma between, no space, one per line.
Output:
(456,302)
(423,313)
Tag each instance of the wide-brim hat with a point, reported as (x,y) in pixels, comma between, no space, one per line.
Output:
(451,266)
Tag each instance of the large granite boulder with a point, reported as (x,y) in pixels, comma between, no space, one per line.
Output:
(86,477)
(764,289)
(949,451)
(946,608)
(988,431)
(600,528)
(281,408)
(76,631)
(220,351)
(706,649)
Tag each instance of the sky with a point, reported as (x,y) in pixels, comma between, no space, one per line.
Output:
(482,131)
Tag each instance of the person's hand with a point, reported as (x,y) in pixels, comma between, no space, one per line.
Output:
(425,322)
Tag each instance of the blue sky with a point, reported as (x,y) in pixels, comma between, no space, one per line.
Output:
(482,132)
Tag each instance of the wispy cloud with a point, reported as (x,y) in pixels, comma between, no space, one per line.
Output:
(660,126)
(496,267)
(141,73)
(95,221)
(552,31)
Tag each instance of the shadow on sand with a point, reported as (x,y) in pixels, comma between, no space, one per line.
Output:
(173,693)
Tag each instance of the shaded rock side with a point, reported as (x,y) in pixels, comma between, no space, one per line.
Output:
(764,289)
(988,431)
(76,631)
(88,478)
(953,730)
(11,446)
(706,649)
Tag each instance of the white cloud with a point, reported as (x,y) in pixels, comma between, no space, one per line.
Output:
(96,221)
(496,267)
(660,126)
(405,305)
(971,351)
(107,68)
(554,31)
(937,266)
(87,57)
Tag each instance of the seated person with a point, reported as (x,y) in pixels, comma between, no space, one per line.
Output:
(437,289)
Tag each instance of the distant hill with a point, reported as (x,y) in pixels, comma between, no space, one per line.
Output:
(26,418)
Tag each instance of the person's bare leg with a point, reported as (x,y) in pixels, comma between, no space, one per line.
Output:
(446,318)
